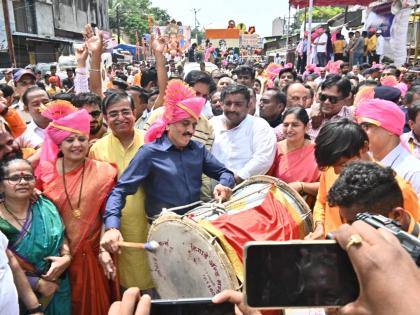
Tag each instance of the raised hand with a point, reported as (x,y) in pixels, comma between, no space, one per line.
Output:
(94,40)
(158,45)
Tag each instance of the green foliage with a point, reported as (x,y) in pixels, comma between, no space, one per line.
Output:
(319,14)
(133,16)
(200,35)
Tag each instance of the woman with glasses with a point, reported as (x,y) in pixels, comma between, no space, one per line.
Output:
(78,186)
(36,237)
(295,161)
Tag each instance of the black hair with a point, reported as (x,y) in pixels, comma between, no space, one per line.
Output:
(344,64)
(290,70)
(409,96)
(343,84)
(235,89)
(299,112)
(337,139)
(86,98)
(64,97)
(28,91)
(245,70)
(147,76)
(143,95)
(311,90)
(413,110)
(114,96)
(367,186)
(6,89)
(279,96)
(5,164)
(196,76)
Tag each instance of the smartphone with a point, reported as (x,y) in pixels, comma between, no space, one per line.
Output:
(298,274)
(191,307)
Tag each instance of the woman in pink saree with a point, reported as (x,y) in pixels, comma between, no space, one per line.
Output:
(295,161)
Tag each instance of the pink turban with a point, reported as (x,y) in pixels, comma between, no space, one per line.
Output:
(402,87)
(72,121)
(180,103)
(383,114)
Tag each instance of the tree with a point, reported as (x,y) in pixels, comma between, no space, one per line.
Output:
(133,16)
(319,14)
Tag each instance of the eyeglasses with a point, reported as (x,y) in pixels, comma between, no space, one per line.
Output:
(16,179)
(95,113)
(26,82)
(116,114)
(332,99)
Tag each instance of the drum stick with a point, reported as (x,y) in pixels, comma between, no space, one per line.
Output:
(150,246)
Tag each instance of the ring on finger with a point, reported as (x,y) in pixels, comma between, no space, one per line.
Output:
(354,240)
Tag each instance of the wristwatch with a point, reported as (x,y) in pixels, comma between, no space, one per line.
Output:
(35,310)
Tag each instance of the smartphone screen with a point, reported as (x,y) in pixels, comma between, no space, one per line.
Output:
(191,307)
(304,274)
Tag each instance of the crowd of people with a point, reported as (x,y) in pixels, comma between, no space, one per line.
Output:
(89,166)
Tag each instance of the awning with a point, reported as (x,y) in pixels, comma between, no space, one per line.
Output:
(305,3)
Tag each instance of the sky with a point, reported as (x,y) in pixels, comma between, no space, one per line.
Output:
(217,13)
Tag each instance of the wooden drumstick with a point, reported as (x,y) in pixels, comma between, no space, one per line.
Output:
(150,246)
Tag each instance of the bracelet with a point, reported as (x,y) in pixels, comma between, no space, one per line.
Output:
(37,309)
(95,70)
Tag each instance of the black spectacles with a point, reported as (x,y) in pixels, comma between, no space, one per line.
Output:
(332,99)
(95,113)
(16,179)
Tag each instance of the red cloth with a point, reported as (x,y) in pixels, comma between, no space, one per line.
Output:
(271,221)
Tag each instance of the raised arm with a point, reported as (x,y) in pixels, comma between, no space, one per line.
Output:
(159,47)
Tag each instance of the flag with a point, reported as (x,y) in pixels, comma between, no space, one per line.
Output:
(137,46)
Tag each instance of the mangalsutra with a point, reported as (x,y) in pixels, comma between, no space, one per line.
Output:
(76,212)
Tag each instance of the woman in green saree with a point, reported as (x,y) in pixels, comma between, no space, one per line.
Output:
(36,237)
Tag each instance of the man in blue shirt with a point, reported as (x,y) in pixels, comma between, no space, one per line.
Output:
(169,166)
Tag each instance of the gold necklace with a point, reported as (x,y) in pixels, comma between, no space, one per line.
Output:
(76,212)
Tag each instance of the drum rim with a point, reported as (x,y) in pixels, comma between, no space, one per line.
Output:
(204,236)
(308,222)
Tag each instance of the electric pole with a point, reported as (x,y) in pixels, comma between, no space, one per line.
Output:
(9,36)
(118,24)
(196,23)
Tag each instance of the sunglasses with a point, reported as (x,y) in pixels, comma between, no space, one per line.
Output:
(95,113)
(332,99)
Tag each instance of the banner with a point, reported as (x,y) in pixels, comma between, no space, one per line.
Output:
(249,40)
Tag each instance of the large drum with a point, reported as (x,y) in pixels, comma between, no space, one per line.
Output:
(200,253)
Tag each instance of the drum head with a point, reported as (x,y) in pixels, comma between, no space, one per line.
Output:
(189,262)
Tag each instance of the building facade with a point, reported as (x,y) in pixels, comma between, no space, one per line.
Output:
(43,30)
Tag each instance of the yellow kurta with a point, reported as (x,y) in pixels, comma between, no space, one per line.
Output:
(133,267)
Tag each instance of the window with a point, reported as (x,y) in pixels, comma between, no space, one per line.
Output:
(24,12)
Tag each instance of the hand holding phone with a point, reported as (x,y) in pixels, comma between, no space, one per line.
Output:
(298,274)
(203,306)
(388,276)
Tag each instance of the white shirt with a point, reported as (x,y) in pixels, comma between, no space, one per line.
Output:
(380,45)
(248,149)
(8,294)
(207,111)
(322,39)
(319,80)
(405,164)
(33,136)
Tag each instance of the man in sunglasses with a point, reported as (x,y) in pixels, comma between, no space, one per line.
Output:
(335,92)
(91,102)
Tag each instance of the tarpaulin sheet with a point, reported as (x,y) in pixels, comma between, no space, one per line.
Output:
(305,3)
(270,221)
